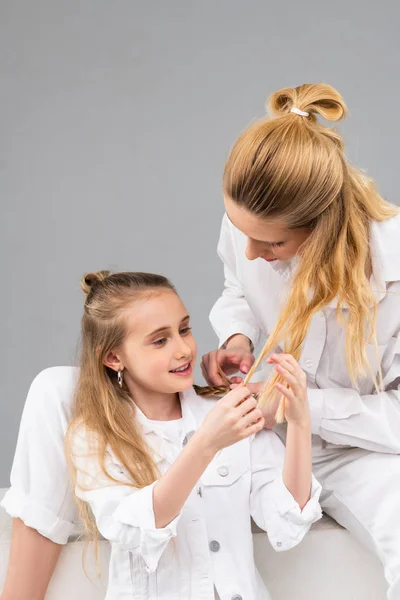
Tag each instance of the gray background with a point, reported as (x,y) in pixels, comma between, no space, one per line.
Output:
(116,118)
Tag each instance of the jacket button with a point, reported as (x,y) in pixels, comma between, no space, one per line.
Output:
(309,363)
(214,546)
(237,597)
(279,544)
(223,471)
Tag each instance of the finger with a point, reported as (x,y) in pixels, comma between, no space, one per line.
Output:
(287,392)
(213,377)
(237,379)
(246,406)
(288,377)
(252,417)
(246,363)
(232,358)
(255,388)
(236,397)
(289,362)
(255,428)
(205,373)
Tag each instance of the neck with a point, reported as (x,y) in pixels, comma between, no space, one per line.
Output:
(155,405)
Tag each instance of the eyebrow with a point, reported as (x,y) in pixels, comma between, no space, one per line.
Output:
(260,241)
(165,328)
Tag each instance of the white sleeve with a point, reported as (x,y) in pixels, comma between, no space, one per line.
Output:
(40,492)
(343,416)
(124,514)
(231,313)
(272,506)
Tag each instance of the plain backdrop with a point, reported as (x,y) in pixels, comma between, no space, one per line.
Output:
(115,121)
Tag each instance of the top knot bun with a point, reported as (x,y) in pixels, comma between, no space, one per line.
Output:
(91,279)
(315,99)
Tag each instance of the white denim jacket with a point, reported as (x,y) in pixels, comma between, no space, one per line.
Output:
(208,546)
(251,301)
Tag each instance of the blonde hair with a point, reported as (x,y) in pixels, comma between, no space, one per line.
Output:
(101,406)
(293,168)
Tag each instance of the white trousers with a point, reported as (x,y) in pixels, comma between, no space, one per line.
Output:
(361,491)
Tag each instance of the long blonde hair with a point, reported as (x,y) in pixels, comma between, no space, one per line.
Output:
(100,405)
(293,168)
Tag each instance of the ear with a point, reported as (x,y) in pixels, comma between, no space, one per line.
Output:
(113,361)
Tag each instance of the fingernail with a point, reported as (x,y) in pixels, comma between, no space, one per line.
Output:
(245,369)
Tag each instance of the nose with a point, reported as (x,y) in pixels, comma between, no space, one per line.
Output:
(182,349)
(253,250)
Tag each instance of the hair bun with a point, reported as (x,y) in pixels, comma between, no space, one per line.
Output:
(91,279)
(314,98)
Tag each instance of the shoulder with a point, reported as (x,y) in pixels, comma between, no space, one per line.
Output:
(388,226)
(54,386)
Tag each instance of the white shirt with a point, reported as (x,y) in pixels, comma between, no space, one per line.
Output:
(251,302)
(243,479)
(211,537)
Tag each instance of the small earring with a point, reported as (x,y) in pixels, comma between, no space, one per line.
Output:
(120,378)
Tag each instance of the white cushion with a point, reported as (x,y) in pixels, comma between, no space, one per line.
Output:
(328,564)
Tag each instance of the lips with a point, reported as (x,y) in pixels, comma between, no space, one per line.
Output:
(182,370)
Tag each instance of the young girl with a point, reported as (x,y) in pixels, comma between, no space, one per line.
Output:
(170,478)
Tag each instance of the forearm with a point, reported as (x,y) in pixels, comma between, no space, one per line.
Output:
(31,564)
(173,489)
(297,472)
(343,416)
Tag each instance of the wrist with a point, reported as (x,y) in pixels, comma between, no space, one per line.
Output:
(204,445)
(301,425)
(239,340)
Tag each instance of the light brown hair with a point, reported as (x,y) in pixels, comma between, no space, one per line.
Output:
(293,168)
(101,407)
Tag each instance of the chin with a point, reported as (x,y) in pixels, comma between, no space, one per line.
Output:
(185,384)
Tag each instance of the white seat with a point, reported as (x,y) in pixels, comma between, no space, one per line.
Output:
(328,564)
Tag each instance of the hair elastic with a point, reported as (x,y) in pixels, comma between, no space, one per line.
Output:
(297,111)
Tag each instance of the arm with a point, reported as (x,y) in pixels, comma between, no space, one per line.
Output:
(272,505)
(144,520)
(343,416)
(40,498)
(40,493)
(297,471)
(231,313)
(31,564)
(285,504)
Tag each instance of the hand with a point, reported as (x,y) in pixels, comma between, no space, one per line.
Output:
(233,418)
(237,356)
(297,409)
(268,410)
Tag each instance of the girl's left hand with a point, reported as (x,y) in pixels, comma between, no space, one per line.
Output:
(297,409)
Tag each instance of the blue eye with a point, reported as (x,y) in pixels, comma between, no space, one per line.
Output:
(160,342)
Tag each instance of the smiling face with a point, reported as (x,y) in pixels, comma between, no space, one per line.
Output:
(158,353)
(267,239)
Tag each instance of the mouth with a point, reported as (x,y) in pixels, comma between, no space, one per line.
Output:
(183,370)
(270,259)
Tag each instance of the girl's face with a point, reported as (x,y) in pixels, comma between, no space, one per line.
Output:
(159,351)
(270,240)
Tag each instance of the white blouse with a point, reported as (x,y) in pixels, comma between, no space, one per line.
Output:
(341,414)
(209,543)
(207,547)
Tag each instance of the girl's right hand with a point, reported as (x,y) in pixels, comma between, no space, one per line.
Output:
(233,418)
